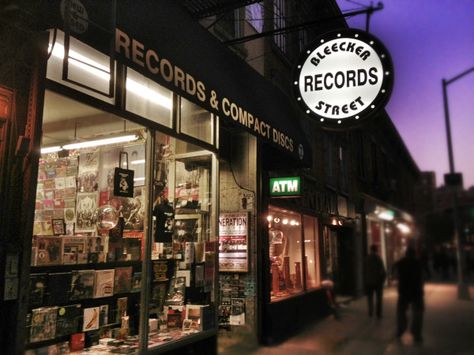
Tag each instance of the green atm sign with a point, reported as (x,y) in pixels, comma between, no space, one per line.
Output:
(285,187)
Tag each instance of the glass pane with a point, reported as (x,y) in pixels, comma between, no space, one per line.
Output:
(87,240)
(254,15)
(184,249)
(196,121)
(148,99)
(311,245)
(86,66)
(285,253)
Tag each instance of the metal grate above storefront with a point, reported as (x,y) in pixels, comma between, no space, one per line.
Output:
(205,8)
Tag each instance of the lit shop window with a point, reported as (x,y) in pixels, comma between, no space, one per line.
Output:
(148,99)
(196,121)
(88,231)
(183,264)
(88,70)
(285,252)
(311,245)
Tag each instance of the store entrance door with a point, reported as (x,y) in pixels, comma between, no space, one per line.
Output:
(345,277)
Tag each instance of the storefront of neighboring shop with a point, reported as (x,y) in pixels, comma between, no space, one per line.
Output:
(390,229)
(144,237)
(307,232)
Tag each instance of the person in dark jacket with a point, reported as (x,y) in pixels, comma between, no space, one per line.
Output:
(374,281)
(410,293)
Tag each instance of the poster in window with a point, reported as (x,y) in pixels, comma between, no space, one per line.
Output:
(59,227)
(85,211)
(188,227)
(87,179)
(233,242)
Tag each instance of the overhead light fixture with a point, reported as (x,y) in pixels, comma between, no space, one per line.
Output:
(48,150)
(81,61)
(403,228)
(285,221)
(100,142)
(150,94)
(137,162)
(269,218)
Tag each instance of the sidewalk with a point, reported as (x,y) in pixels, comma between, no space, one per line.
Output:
(448,329)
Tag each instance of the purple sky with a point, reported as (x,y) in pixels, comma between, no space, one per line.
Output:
(429,40)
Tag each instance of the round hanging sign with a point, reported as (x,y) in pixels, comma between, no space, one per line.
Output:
(343,77)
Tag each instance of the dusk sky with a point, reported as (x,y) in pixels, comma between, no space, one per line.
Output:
(429,40)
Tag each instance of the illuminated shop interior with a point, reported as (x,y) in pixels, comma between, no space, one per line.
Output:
(294,268)
(92,248)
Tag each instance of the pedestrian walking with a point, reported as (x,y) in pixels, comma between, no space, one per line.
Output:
(328,285)
(374,281)
(410,293)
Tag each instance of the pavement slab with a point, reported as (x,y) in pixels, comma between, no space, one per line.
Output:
(448,329)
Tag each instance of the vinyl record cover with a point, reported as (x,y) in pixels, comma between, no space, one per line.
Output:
(38,283)
(77,342)
(82,284)
(43,324)
(103,315)
(174,316)
(158,294)
(194,315)
(74,246)
(87,178)
(85,210)
(68,319)
(122,308)
(58,287)
(49,250)
(91,319)
(123,279)
(136,282)
(104,283)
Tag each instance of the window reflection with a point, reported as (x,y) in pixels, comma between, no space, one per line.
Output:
(196,122)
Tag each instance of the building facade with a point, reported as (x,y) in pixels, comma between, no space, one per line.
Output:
(145,155)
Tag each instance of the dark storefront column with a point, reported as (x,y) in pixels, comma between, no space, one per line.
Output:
(21,71)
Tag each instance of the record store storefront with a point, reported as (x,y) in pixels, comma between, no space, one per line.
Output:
(149,153)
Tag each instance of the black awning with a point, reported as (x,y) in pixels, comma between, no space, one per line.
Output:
(161,40)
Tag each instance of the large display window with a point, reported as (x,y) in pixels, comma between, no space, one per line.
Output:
(123,247)
(285,253)
(311,243)
(90,234)
(293,249)
(183,269)
(89,229)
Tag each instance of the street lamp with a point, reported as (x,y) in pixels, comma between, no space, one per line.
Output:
(454,180)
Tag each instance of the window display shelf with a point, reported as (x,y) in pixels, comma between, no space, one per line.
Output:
(60,339)
(136,264)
